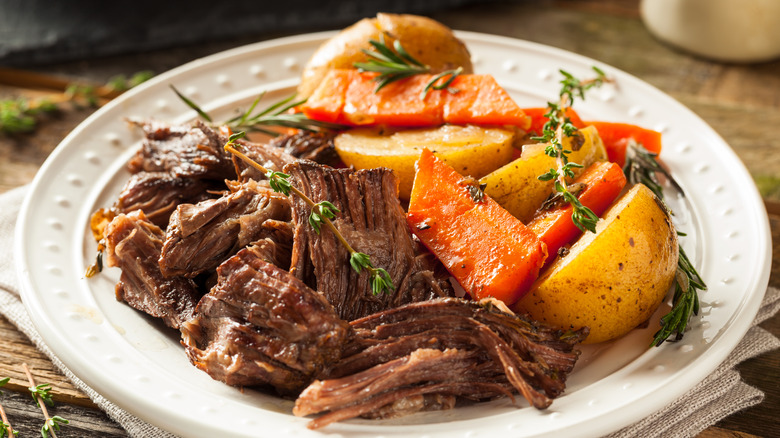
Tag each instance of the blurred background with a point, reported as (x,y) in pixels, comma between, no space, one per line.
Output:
(716,58)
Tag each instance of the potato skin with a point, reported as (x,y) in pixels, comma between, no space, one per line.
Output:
(471,150)
(615,279)
(427,40)
(516,187)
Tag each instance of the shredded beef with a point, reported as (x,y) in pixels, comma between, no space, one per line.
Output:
(261,326)
(445,347)
(133,244)
(373,222)
(158,193)
(307,145)
(203,235)
(184,151)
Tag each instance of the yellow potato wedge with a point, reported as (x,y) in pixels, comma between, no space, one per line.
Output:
(516,187)
(427,40)
(615,279)
(471,150)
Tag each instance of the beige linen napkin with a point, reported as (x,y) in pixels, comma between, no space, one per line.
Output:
(719,395)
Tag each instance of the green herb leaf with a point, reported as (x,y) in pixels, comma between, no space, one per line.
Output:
(42,391)
(381,281)
(319,212)
(52,423)
(279,182)
(203,114)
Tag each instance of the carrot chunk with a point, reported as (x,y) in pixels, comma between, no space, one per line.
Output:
(349,97)
(489,251)
(603,182)
(617,135)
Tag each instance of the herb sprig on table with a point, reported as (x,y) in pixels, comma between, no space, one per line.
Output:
(396,64)
(23,115)
(559,127)
(42,396)
(321,214)
(5,424)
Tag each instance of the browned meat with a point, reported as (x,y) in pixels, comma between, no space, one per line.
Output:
(183,151)
(203,235)
(270,157)
(261,326)
(158,193)
(373,222)
(446,347)
(274,244)
(315,146)
(133,244)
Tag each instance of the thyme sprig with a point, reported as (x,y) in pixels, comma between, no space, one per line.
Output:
(42,393)
(321,213)
(396,64)
(275,115)
(42,396)
(558,127)
(641,167)
(5,425)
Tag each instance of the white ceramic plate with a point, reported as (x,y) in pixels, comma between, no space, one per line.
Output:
(138,364)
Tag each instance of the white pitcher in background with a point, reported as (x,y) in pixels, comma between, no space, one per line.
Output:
(722,30)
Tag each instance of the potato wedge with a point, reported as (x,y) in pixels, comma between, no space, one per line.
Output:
(516,187)
(429,41)
(613,280)
(471,150)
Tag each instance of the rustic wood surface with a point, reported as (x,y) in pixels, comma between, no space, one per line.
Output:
(741,102)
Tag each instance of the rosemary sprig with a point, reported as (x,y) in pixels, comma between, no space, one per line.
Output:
(641,168)
(41,395)
(685,302)
(5,425)
(321,213)
(396,64)
(277,114)
(557,128)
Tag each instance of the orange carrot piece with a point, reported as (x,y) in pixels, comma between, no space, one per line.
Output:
(538,119)
(603,182)
(398,103)
(616,136)
(480,100)
(489,251)
(348,97)
(327,102)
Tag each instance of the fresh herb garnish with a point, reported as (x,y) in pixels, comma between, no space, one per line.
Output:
(557,128)
(641,168)
(276,115)
(321,213)
(396,64)
(42,392)
(42,396)
(5,425)
(685,302)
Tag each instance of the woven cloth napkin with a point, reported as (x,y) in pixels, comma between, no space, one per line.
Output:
(718,396)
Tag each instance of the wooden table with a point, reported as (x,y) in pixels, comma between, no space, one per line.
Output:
(742,103)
